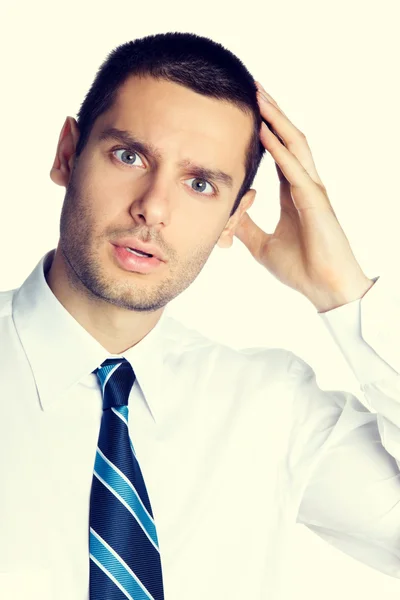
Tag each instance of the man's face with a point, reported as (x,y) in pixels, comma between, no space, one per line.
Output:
(156,196)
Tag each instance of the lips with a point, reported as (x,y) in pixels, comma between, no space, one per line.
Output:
(129,261)
(136,244)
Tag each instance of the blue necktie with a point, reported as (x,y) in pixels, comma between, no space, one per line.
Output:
(124,555)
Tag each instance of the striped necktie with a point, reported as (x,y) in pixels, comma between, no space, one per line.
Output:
(124,555)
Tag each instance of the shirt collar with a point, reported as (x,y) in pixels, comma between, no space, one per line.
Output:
(61,352)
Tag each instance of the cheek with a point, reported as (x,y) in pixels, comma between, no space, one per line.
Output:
(103,195)
(202,236)
(98,177)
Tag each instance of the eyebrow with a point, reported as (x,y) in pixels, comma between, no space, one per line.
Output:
(126,138)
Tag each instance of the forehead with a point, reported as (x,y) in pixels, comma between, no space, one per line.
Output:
(182,123)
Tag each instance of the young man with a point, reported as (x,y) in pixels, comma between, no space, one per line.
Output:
(140,459)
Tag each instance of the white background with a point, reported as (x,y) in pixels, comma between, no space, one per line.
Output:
(332,67)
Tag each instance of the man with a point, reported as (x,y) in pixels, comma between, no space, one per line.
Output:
(141,459)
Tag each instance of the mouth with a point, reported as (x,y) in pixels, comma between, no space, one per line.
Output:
(139,248)
(137,252)
(133,260)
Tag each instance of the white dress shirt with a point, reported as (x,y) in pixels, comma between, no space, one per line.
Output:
(234,445)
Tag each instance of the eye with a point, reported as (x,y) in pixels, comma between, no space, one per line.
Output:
(200,186)
(127,157)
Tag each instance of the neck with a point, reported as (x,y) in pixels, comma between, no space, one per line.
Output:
(115,328)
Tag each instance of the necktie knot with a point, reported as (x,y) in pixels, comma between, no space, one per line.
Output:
(116,379)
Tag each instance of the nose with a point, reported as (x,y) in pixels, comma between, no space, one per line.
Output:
(152,202)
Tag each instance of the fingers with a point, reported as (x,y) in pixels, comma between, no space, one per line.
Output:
(279,121)
(292,139)
(267,97)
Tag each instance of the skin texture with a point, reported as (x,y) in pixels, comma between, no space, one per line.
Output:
(155,199)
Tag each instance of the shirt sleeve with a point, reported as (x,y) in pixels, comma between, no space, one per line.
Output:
(344,455)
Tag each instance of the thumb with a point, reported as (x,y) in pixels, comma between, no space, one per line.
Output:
(251,235)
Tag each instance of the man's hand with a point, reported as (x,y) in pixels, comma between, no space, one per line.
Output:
(308,250)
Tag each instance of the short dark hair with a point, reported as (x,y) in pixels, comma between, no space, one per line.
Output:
(196,62)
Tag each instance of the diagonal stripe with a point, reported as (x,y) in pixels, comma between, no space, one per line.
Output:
(120,455)
(129,503)
(133,449)
(122,413)
(112,563)
(103,578)
(123,533)
(108,376)
(108,379)
(127,507)
(101,457)
(105,373)
(117,389)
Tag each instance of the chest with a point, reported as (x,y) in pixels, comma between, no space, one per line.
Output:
(213,468)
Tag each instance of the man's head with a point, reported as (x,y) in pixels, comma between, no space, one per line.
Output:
(165,149)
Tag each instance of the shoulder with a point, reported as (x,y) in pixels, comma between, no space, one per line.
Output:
(186,344)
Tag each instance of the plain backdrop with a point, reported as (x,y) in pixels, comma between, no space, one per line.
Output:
(333,69)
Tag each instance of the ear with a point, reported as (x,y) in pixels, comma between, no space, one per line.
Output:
(226,237)
(65,154)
